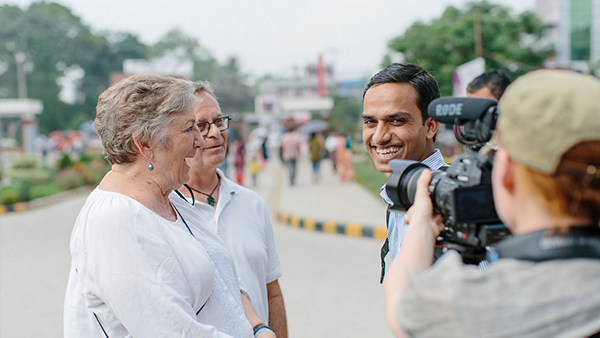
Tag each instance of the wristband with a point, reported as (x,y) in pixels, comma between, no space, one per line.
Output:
(260,328)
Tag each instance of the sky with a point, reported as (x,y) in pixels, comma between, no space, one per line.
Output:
(273,36)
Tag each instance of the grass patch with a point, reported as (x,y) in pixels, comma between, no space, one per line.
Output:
(367,175)
(44,189)
(9,195)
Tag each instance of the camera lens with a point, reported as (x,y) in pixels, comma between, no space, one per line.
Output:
(402,184)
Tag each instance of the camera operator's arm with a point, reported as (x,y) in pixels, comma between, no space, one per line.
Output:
(416,252)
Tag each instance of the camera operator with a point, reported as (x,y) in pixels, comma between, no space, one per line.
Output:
(396,126)
(544,281)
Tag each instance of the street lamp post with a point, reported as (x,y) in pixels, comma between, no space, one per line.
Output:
(20,58)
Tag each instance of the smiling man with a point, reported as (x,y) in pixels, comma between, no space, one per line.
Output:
(396,126)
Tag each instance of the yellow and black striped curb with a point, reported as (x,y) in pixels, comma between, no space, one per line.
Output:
(44,201)
(352,229)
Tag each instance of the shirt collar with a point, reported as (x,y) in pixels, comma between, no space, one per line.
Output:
(435,161)
(226,185)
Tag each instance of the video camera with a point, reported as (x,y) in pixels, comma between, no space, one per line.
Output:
(462,194)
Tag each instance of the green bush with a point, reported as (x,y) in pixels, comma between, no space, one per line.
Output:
(25,174)
(32,175)
(25,162)
(85,158)
(70,178)
(44,189)
(9,195)
(65,162)
(367,175)
(24,187)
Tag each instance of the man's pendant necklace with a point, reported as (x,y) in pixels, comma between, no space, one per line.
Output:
(210,200)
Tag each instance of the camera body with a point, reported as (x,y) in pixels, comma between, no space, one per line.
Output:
(462,193)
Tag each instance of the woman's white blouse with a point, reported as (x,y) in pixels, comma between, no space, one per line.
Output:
(136,274)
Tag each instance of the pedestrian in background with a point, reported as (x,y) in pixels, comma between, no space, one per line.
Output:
(264,152)
(315,148)
(331,145)
(254,168)
(291,141)
(489,85)
(240,159)
(344,159)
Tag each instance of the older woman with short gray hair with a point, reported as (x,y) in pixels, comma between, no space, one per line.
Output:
(139,268)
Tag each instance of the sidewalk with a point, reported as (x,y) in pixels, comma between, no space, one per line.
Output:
(330,205)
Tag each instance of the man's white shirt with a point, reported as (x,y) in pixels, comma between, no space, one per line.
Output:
(242,221)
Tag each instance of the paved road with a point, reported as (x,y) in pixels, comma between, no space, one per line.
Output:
(34,267)
(330,282)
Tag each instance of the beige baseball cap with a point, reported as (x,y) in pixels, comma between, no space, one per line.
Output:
(546,112)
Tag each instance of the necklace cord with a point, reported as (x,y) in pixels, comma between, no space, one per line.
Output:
(212,192)
(191,193)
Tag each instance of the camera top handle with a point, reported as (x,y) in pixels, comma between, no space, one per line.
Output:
(474,119)
(458,110)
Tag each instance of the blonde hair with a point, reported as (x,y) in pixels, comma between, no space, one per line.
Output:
(574,189)
(139,107)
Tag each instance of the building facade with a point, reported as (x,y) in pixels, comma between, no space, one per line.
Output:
(299,97)
(574,29)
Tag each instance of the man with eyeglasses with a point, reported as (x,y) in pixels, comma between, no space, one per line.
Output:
(236,214)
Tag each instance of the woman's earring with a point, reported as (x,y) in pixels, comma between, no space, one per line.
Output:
(150,165)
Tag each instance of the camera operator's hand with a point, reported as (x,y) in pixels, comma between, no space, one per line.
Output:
(421,212)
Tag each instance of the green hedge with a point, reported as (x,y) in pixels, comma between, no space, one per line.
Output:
(367,175)
(44,189)
(9,195)
(29,182)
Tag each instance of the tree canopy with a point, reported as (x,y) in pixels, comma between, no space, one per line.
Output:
(345,115)
(227,80)
(54,42)
(511,43)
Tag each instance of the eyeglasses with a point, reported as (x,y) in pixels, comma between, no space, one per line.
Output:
(222,123)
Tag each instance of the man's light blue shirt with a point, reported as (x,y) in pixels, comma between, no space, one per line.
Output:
(397,227)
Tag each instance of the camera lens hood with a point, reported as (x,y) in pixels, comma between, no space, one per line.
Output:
(402,184)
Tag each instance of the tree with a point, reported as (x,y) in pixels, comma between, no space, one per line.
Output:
(56,43)
(233,94)
(205,65)
(44,35)
(229,84)
(100,56)
(345,114)
(53,41)
(513,44)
